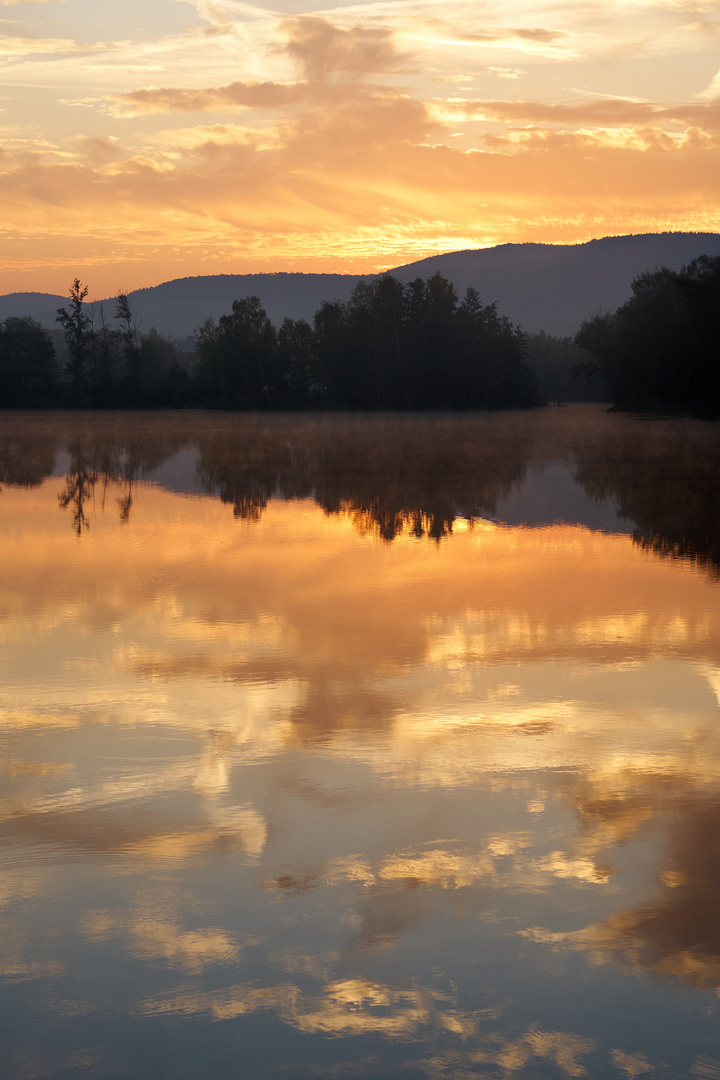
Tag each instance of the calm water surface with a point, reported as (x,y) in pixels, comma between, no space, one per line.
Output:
(359,747)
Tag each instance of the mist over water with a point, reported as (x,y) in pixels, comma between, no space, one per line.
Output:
(359,746)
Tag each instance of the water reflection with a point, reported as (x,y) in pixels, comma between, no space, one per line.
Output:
(395,475)
(663,475)
(279,796)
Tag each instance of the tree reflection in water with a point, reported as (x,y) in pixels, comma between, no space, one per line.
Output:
(392,474)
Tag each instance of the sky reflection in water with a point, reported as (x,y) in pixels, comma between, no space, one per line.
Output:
(359,747)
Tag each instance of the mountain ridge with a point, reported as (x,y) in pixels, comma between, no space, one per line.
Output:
(550,287)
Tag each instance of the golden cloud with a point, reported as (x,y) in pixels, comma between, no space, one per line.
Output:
(533,34)
(442,32)
(358,176)
(347,170)
(237,95)
(326,54)
(621,113)
(326,51)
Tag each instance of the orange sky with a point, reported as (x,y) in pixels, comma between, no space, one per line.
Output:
(144,142)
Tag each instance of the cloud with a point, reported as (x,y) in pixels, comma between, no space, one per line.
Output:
(353,184)
(340,165)
(436,32)
(536,34)
(18,46)
(14,43)
(504,73)
(609,112)
(713,90)
(325,51)
(98,151)
(237,95)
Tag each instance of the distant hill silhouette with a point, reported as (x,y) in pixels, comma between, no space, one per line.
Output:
(552,287)
(541,286)
(41,306)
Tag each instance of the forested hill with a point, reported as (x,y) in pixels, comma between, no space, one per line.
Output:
(540,286)
(554,288)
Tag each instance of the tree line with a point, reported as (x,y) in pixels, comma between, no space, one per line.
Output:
(390,346)
(106,362)
(661,349)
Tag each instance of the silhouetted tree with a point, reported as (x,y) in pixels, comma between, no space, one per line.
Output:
(28,373)
(78,337)
(238,357)
(104,363)
(340,377)
(432,343)
(165,375)
(495,373)
(410,346)
(660,349)
(133,382)
(298,363)
(390,346)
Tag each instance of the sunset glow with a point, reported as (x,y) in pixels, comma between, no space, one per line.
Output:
(146,142)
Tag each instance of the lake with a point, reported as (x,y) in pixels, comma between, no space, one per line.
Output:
(359,746)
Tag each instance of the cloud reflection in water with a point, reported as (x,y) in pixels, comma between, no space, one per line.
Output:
(397,798)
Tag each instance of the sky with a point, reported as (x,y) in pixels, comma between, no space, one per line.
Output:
(146,141)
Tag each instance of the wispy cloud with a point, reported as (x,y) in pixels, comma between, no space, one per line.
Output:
(238,95)
(15,41)
(613,111)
